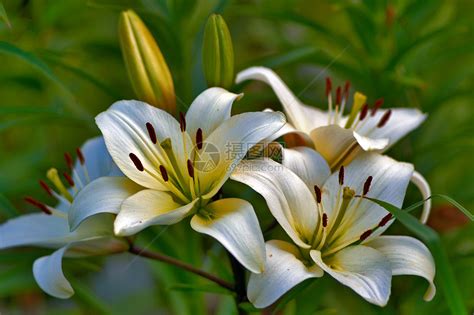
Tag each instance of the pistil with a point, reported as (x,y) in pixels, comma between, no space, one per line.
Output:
(53,176)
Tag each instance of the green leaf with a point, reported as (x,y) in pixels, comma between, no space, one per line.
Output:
(6,208)
(430,237)
(199,288)
(447,198)
(4,16)
(91,304)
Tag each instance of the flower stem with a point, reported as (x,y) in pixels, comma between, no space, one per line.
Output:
(239,278)
(180,264)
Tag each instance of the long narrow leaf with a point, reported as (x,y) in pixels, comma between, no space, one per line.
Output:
(430,237)
(4,16)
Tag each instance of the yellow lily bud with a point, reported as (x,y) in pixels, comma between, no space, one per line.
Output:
(149,74)
(218,53)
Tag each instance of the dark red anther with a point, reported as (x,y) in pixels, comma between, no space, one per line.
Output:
(199,138)
(385,118)
(338,95)
(378,103)
(190,169)
(46,188)
(68,178)
(385,219)
(325,220)
(68,159)
(341,175)
(364,111)
(151,132)
(347,87)
(38,205)
(182,122)
(164,173)
(136,161)
(367,183)
(328,86)
(365,235)
(80,156)
(317,191)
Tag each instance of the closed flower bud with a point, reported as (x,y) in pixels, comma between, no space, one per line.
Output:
(218,53)
(149,74)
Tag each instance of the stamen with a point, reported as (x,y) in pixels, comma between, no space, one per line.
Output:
(328,86)
(341,175)
(317,191)
(365,235)
(46,188)
(151,132)
(182,122)
(347,87)
(384,119)
(363,112)
(338,96)
(68,179)
(38,205)
(199,138)
(367,183)
(190,169)
(136,161)
(385,219)
(325,220)
(378,103)
(68,159)
(80,156)
(164,173)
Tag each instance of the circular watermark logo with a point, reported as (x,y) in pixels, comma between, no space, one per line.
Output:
(207,158)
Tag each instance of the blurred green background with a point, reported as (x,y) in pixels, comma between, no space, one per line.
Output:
(60,65)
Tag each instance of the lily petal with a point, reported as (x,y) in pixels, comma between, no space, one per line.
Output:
(244,131)
(124,129)
(389,183)
(308,164)
(149,207)
(407,256)
(401,122)
(287,196)
(234,224)
(363,269)
(425,190)
(303,117)
(48,273)
(284,269)
(49,231)
(103,195)
(214,105)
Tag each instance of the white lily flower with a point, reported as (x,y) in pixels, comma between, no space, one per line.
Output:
(183,165)
(339,138)
(50,229)
(332,227)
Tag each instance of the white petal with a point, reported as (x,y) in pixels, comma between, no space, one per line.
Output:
(149,207)
(425,191)
(389,183)
(308,164)
(49,231)
(370,144)
(407,256)
(284,269)
(234,224)
(209,110)
(363,269)
(337,145)
(123,126)
(287,196)
(103,195)
(49,275)
(400,123)
(98,161)
(300,116)
(292,136)
(233,139)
